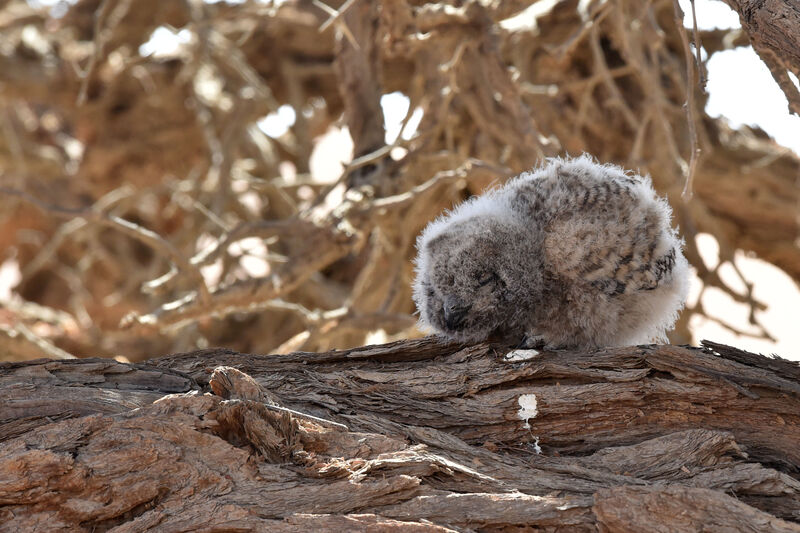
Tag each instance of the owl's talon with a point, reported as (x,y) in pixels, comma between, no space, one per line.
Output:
(532,342)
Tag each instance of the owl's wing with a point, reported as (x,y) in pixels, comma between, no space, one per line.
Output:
(618,247)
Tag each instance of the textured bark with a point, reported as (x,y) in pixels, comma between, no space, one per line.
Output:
(775,23)
(410,436)
(774,30)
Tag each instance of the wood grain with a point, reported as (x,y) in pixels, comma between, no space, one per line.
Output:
(410,436)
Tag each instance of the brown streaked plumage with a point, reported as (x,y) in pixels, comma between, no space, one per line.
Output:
(577,254)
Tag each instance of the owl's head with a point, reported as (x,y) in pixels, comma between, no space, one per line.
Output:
(463,277)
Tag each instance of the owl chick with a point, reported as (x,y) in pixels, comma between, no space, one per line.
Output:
(575,254)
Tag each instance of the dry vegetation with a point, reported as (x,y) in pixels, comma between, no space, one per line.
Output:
(124,177)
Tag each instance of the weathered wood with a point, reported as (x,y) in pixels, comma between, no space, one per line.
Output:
(772,26)
(409,436)
(36,392)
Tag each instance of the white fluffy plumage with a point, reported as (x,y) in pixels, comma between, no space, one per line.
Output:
(575,254)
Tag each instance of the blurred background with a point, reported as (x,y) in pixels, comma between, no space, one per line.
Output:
(176,175)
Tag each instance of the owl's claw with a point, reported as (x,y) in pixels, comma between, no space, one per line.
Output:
(532,342)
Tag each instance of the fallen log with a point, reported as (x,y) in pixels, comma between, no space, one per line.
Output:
(410,436)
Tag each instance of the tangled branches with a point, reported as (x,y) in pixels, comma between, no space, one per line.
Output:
(150,209)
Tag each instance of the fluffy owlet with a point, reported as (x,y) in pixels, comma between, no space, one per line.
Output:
(575,254)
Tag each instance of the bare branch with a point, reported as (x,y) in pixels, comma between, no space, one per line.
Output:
(691,106)
(143,235)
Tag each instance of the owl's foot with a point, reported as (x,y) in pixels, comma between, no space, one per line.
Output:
(532,342)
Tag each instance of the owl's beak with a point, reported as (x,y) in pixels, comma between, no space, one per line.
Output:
(454,313)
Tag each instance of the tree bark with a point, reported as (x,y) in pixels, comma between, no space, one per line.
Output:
(774,30)
(410,436)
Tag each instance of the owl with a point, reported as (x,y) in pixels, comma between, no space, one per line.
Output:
(574,254)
